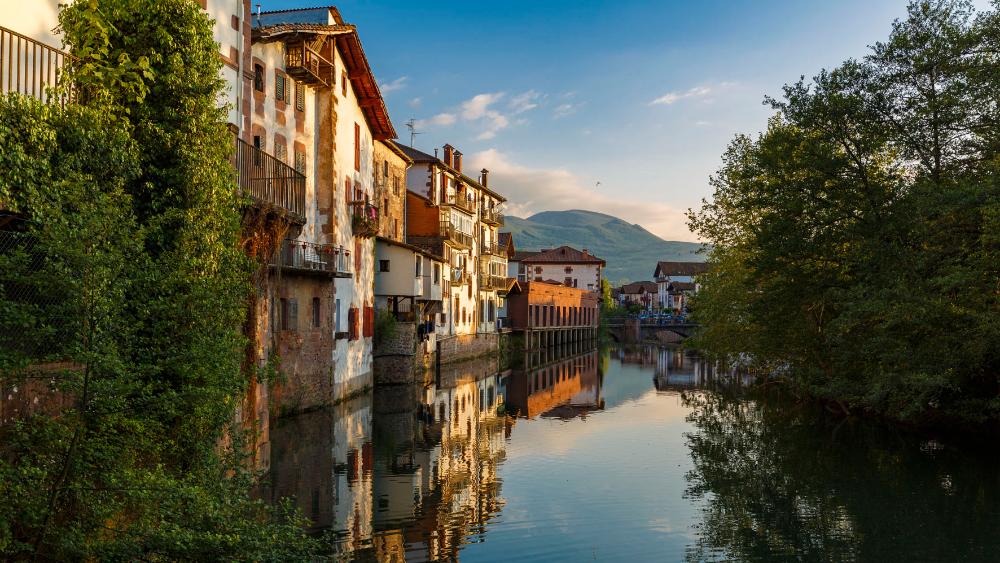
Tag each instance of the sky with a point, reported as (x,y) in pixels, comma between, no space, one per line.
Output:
(619,107)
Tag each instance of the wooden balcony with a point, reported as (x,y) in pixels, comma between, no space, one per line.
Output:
(364,219)
(307,66)
(492,217)
(459,200)
(31,68)
(307,257)
(488,282)
(270,182)
(454,236)
(459,277)
(489,249)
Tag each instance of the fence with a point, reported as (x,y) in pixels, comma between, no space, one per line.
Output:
(30,67)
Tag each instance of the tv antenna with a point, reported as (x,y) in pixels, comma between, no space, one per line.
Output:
(412,126)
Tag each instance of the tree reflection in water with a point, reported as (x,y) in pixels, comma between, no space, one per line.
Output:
(786,482)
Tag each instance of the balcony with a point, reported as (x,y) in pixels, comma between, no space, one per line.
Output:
(308,257)
(492,217)
(307,66)
(459,277)
(364,219)
(459,200)
(488,282)
(268,181)
(454,236)
(489,249)
(31,67)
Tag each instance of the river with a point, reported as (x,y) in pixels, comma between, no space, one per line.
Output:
(641,454)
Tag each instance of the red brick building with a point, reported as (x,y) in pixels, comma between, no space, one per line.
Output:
(551,314)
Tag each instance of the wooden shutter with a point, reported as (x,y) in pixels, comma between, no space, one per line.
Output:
(357,147)
(352,323)
(300,97)
(279,86)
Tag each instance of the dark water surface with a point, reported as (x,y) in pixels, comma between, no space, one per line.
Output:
(625,455)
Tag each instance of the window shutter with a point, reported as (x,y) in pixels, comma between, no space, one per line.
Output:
(352,323)
(293,314)
(347,190)
(300,97)
(300,162)
(279,87)
(357,147)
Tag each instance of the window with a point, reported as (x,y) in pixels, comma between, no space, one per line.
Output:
(357,147)
(417,263)
(343,83)
(357,257)
(336,316)
(316,312)
(385,206)
(258,147)
(538,269)
(437,274)
(300,162)
(385,170)
(395,228)
(289,314)
(280,151)
(568,282)
(569,269)
(383,265)
(300,97)
(279,87)
(258,78)
(395,185)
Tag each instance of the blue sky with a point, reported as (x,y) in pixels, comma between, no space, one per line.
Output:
(643,97)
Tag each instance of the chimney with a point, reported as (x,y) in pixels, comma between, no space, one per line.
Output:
(448,154)
(585,252)
(435,152)
(458,161)
(484,178)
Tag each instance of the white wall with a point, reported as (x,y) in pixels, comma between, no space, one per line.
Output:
(587,276)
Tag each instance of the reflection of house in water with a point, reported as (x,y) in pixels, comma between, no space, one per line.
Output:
(324,460)
(408,480)
(638,355)
(677,368)
(562,387)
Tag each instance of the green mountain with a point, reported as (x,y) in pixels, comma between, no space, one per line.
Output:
(630,250)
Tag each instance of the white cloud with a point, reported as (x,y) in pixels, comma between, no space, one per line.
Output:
(524,102)
(531,190)
(440,119)
(672,97)
(416,102)
(563,110)
(478,105)
(397,84)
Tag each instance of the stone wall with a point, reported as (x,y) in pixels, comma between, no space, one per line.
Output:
(401,343)
(466,346)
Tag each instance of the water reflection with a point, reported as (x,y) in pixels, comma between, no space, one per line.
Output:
(640,453)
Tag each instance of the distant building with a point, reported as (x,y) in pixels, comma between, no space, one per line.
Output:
(552,313)
(565,265)
(676,282)
(642,293)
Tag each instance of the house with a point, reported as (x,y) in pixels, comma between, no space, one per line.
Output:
(444,205)
(681,272)
(553,313)
(642,293)
(316,104)
(571,267)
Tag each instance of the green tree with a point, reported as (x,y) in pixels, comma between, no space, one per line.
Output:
(134,225)
(855,238)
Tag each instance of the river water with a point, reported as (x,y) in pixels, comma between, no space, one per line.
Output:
(641,454)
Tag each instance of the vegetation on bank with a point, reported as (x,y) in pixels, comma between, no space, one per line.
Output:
(856,242)
(129,274)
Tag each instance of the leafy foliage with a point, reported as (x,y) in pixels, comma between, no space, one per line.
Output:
(134,223)
(855,241)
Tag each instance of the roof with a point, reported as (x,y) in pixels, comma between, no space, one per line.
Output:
(680,269)
(431,245)
(520,255)
(358,70)
(425,251)
(682,286)
(419,156)
(563,255)
(635,288)
(394,149)
(506,240)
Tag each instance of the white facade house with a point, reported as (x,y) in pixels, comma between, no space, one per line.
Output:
(675,281)
(564,265)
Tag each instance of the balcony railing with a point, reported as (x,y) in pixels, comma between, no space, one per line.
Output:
(269,181)
(459,277)
(492,217)
(364,219)
(461,201)
(307,66)
(490,282)
(487,248)
(456,237)
(307,256)
(31,67)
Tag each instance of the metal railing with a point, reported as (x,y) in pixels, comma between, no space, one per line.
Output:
(269,180)
(489,248)
(364,219)
(31,67)
(301,255)
(458,277)
(489,281)
(457,237)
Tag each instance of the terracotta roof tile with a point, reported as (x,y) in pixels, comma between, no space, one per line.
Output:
(562,255)
(680,268)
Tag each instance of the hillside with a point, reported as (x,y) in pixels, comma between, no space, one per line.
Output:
(630,250)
